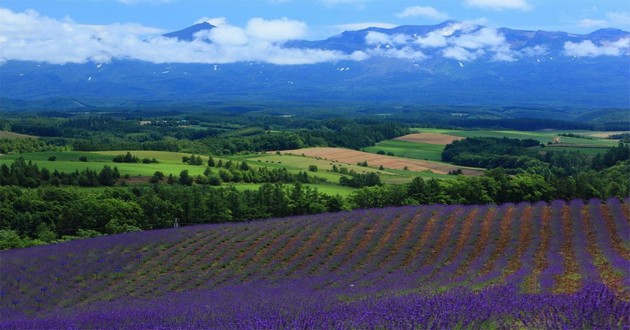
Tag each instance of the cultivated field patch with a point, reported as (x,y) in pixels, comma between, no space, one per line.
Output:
(12,135)
(430,138)
(348,156)
(511,266)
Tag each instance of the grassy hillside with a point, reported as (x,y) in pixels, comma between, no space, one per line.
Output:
(12,135)
(558,265)
(544,136)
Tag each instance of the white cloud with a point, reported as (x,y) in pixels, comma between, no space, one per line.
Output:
(589,49)
(378,38)
(534,51)
(28,36)
(216,21)
(485,37)
(500,4)
(462,54)
(227,35)
(420,11)
(433,39)
(276,30)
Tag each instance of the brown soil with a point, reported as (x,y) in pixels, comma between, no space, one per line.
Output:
(430,138)
(353,157)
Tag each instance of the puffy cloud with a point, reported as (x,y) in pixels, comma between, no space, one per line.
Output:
(227,35)
(589,49)
(462,54)
(276,30)
(405,53)
(534,51)
(433,39)
(420,11)
(500,4)
(438,38)
(485,37)
(378,38)
(29,36)
(216,21)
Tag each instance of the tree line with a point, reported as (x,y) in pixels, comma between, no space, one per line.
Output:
(49,214)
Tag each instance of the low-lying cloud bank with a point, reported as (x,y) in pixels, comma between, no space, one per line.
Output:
(28,36)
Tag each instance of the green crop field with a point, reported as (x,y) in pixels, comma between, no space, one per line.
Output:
(407,149)
(295,164)
(326,188)
(11,135)
(542,136)
(68,161)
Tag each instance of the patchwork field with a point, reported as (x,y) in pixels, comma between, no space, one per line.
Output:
(512,266)
(430,138)
(12,135)
(545,136)
(347,156)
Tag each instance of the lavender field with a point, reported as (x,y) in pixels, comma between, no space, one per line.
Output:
(542,265)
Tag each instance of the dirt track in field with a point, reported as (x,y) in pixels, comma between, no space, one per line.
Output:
(353,157)
(430,138)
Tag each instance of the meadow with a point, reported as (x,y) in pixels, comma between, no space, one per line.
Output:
(428,143)
(527,265)
(544,136)
(408,149)
(171,163)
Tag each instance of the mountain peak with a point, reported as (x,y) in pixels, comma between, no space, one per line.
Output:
(188,34)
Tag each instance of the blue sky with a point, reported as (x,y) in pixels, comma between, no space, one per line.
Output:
(80,31)
(326,17)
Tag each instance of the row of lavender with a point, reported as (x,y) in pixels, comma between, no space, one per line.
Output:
(373,261)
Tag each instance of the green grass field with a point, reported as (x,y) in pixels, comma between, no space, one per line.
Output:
(326,188)
(171,162)
(68,161)
(407,149)
(295,164)
(11,135)
(542,136)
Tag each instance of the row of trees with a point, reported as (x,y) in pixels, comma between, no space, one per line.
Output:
(518,156)
(237,134)
(29,175)
(49,214)
(496,186)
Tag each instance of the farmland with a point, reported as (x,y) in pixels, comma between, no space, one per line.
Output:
(12,135)
(347,156)
(526,265)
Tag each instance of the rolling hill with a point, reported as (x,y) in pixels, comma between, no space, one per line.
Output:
(557,265)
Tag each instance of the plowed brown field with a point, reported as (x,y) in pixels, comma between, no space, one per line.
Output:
(349,156)
(430,138)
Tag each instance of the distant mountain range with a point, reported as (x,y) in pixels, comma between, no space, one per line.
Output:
(451,63)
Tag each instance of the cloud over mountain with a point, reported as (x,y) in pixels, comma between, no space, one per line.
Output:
(29,36)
